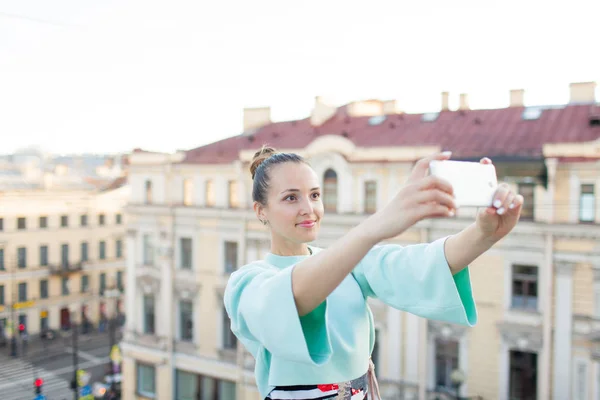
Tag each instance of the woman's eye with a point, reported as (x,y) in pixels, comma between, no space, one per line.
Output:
(316,195)
(291,197)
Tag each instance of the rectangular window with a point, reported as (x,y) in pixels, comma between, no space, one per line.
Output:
(187,386)
(2,265)
(44,255)
(525,287)
(101,219)
(148,250)
(84,251)
(587,204)
(43,222)
(22,291)
(22,257)
(85,283)
(216,389)
(65,286)
(229,339)
(44,289)
(446,361)
(185,245)
(118,248)
(580,381)
(231,257)
(149,314)
(21,223)
(102,250)
(375,354)
(1,297)
(370,197)
(232,194)
(210,194)
(119,219)
(64,221)
(120,280)
(527,190)
(146,381)
(522,375)
(186,318)
(64,255)
(1,224)
(188,189)
(102,283)
(83,220)
(44,320)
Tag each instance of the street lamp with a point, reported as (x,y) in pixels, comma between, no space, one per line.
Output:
(112,293)
(457,377)
(74,385)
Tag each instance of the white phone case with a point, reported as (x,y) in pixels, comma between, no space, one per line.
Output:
(474,183)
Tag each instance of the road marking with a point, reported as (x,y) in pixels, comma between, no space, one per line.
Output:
(60,371)
(84,354)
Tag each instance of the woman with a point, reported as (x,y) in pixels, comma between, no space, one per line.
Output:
(302,311)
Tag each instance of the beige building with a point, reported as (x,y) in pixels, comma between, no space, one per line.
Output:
(60,251)
(537,292)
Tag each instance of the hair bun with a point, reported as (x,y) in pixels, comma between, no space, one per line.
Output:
(260,156)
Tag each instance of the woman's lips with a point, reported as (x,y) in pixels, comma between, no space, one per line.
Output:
(307,224)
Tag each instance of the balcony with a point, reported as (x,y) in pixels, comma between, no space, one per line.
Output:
(65,269)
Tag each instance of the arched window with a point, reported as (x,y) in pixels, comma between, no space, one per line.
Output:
(330,191)
(148,192)
(188,188)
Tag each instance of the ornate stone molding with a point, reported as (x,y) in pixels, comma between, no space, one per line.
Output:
(578,258)
(521,337)
(186,289)
(148,284)
(564,267)
(445,330)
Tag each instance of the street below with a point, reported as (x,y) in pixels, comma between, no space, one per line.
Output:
(52,361)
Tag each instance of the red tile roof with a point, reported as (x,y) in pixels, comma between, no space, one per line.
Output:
(469,133)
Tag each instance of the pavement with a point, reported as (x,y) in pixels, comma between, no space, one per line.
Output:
(52,361)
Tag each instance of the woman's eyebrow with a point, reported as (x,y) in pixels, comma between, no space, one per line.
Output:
(297,190)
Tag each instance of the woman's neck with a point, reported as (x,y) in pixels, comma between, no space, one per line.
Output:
(289,249)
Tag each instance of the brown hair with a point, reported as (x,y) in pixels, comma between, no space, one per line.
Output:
(260,167)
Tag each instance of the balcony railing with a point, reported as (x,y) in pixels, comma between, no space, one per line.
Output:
(65,269)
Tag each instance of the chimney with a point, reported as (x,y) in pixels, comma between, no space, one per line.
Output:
(445,101)
(256,117)
(390,107)
(464,102)
(365,108)
(516,97)
(582,92)
(322,111)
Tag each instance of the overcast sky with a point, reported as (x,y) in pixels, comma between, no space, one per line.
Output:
(112,75)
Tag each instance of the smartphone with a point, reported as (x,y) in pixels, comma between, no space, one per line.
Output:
(474,183)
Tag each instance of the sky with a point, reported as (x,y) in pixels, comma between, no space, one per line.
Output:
(80,76)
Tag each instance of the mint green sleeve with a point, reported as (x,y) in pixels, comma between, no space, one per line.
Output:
(417,279)
(262,309)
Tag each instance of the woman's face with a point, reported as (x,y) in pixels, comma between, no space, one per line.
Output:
(294,208)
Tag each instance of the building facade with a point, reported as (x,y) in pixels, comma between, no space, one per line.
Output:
(60,251)
(537,291)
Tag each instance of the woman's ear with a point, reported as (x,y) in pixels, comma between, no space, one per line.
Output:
(259,210)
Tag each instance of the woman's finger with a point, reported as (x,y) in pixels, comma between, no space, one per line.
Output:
(435,196)
(421,167)
(499,198)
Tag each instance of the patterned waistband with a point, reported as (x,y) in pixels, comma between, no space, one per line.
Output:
(355,389)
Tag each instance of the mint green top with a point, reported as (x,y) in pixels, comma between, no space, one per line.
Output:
(333,343)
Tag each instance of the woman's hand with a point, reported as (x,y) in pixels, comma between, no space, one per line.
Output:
(421,197)
(497,221)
